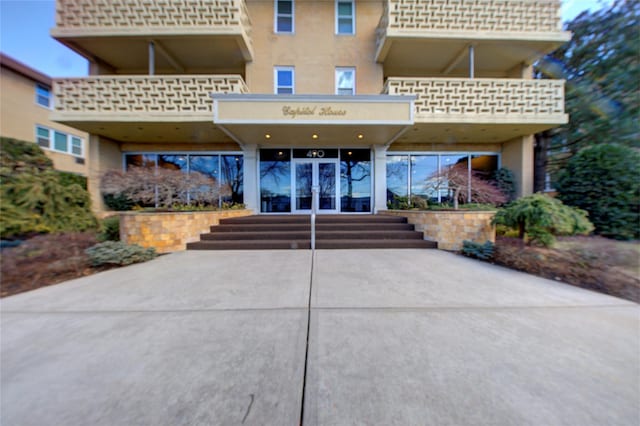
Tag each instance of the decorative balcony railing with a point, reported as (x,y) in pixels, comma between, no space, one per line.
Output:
(154,95)
(470,16)
(447,99)
(151,15)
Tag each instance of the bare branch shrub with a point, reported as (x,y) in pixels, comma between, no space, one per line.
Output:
(163,187)
(457,178)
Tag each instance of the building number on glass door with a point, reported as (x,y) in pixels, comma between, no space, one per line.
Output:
(315,153)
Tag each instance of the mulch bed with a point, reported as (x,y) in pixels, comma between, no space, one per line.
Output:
(594,263)
(45,260)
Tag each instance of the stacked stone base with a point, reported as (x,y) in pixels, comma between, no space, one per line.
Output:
(450,228)
(171,231)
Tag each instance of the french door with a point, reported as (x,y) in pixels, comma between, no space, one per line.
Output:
(321,173)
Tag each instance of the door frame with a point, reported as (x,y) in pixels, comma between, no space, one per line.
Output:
(314,182)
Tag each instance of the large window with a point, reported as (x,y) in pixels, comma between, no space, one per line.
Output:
(431,176)
(345,17)
(284,16)
(225,170)
(275,180)
(284,80)
(43,96)
(345,81)
(355,180)
(59,141)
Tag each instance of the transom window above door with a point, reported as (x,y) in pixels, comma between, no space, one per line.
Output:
(284,16)
(284,81)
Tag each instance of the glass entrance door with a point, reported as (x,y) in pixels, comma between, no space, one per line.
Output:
(322,173)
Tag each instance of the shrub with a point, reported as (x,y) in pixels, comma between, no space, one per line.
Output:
(460,183)
(118,253)
(36,198)
(478,250)
(162,187)
(506,182)
(605,181)
(538,218)
(68,179)
(118,202)
(110,229)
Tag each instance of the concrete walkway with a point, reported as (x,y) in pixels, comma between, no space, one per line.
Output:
(395,337)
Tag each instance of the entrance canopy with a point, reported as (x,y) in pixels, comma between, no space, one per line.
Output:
(313,120)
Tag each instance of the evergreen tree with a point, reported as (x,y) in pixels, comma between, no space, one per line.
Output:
(601,65)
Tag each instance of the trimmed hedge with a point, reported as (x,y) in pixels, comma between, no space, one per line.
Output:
(118,253)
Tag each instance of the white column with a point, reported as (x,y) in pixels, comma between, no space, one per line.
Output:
(250,176)
(379,178)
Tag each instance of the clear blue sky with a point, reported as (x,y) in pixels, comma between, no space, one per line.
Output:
(25,25)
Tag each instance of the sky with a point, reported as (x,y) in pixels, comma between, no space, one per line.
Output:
(25,26)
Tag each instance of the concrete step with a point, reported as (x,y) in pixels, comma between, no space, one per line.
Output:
(320,235)
(279,227)
(273,219)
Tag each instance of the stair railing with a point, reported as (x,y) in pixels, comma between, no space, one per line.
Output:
(314,209)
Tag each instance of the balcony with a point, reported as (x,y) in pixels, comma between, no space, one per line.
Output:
(189,34)
(504,33)
(480,110)
(144,108)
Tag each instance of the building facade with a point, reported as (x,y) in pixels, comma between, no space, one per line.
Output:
(365,100)
(26,101)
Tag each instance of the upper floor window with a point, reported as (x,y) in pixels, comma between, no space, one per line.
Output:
(59,141)
(345,17)
(43,96)
(345,81)
(284,80)
(284,16)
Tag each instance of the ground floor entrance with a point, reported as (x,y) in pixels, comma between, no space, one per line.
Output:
(342,178)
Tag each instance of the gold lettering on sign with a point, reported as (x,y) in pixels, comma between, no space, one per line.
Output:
(293,112)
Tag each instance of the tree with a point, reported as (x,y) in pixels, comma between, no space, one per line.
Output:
(602,72)
(605,181)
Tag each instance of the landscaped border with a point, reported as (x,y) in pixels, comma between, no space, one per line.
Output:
(170,231)
(450,228)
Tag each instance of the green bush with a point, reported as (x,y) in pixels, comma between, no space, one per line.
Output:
(36,198)
(605,181)
(110,229)
(68,179)
(118,253)
(538,218)
(505,182)
(118,202)
(478,250)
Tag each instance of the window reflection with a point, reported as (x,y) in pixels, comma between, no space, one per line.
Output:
(232,176)
(424,169)
(304,180)
(275,180)
(327,186)
(140,160)
(355,180)
(397,178)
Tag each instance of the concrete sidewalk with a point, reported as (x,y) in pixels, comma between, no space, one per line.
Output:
(396,337)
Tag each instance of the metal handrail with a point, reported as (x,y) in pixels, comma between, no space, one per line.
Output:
(314,208)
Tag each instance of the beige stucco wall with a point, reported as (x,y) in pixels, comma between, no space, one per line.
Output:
(19,114)
(167,232)
(517,156)
(104,154)
(314,49)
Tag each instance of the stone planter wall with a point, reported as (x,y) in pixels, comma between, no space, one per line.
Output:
(171,231)
(450,228)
